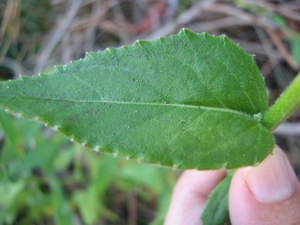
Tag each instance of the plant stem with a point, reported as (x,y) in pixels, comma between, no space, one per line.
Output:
(284,106)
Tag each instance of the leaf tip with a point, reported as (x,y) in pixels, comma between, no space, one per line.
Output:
(205,35)
(21,77)
(186,31)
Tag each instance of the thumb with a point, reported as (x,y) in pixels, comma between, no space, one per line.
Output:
(266,194)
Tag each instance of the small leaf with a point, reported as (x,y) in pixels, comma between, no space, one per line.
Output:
(186,101)
(216,209)
(11,133)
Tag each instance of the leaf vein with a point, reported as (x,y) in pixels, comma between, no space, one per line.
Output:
(143,104)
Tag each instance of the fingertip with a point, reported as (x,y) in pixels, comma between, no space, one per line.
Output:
(266,194)
(190,195)
(200,183)
(272,181)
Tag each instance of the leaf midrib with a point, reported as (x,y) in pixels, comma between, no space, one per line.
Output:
(165,104)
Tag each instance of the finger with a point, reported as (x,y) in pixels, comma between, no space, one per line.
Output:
(266,194)
(190,195)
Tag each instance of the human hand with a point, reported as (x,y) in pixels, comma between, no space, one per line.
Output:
(266,194)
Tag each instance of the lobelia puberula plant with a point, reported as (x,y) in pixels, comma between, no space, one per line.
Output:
(189,101)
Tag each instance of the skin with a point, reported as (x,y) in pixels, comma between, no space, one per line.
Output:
(266,194)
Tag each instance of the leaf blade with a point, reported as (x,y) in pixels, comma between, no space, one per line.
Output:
(216,210)
(163,107)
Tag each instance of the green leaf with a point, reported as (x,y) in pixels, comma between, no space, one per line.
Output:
(216,209)
(62,211)
(101,177)
(295,47)
(38,157)
(8,125)
(188,101)
(9,193)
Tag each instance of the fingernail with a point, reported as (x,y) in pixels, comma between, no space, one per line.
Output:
(271,181)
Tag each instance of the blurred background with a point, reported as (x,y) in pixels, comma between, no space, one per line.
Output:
(47,179)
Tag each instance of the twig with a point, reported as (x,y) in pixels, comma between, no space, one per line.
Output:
(288,129)
(94,18)
(9,21)
(132,208)
(288,13)
(184,18)
(260,21)
(283,9)
(8,15)
(216,24)
(273,58)
(255,48)
(66,51)
(282,49)
(171,10)
(238,13)
(56,35)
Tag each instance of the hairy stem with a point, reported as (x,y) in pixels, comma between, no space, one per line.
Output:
(284,106)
